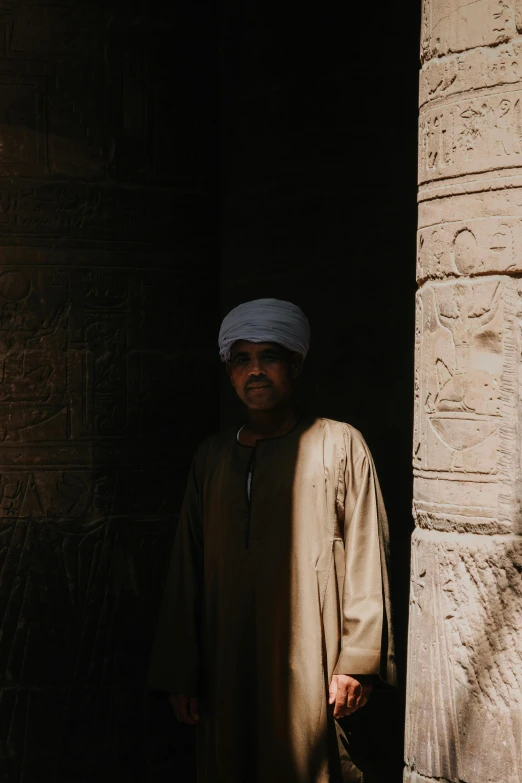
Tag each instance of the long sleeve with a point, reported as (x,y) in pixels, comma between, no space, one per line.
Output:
(176,657)
(367,643)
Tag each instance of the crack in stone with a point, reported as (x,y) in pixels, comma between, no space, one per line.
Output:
(452,13)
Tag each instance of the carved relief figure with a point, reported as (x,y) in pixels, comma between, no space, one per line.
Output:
(33,335)
(465,410)
(471,132)
(503,125)
(465,251)
(436,130)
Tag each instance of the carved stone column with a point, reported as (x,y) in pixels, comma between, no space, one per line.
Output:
(107,335)
(464,715)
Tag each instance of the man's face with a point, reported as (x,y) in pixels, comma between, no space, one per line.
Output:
(263,374)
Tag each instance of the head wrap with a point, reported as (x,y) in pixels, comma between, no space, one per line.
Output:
(265,321)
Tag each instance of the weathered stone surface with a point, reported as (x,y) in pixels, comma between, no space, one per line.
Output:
(472,71)
(412,776)
(465,658)
(464,714)
(456,25)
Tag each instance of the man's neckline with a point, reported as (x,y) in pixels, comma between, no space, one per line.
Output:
(299,421)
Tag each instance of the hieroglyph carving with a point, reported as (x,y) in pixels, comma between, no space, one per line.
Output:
(455,25)
(472,247)
(468,71)
(481,134)
(62,353)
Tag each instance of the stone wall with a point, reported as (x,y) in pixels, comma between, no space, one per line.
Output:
(106,313)
(464,717)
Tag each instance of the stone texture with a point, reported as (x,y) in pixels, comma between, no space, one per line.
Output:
(466,614)
(464,713)
(105,305)
(458,25)
(470,71)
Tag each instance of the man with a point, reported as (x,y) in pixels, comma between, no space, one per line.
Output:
(276,611)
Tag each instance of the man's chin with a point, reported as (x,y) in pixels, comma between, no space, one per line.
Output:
(260,405)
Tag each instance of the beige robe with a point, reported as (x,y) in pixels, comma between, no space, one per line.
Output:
(265,600)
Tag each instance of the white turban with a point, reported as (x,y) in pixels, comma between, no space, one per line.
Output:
(265,321)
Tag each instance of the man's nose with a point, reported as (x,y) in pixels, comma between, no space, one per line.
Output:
(256,366)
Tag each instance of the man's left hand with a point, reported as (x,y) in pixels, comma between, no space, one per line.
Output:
(349,693)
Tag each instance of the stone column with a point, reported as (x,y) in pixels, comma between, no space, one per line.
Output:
(107,335)
(464,715)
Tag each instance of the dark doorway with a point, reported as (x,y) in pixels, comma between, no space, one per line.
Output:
(318,184)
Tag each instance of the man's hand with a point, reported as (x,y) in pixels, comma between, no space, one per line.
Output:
(349,693)
(186,708)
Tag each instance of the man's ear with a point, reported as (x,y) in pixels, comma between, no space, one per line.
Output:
(296,364)
(229,371)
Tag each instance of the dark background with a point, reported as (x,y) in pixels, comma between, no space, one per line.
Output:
(160,164)
(318,173)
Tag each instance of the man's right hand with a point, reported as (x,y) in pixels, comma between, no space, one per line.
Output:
(186,708)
